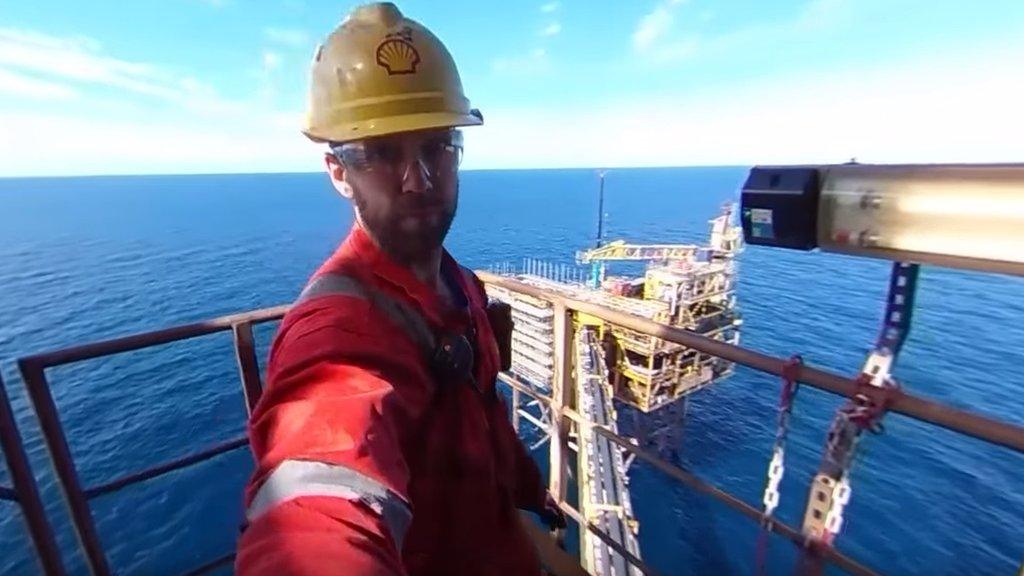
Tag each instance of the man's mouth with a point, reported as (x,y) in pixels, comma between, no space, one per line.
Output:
(423,209)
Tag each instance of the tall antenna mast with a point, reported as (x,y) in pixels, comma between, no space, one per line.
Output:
(600,210)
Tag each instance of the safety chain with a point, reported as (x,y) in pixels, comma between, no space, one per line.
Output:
(831,489)
(840,498)
(776,468)
(863,413)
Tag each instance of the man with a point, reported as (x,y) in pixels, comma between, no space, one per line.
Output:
(382,446)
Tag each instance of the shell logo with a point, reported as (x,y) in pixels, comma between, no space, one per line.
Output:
(396,54)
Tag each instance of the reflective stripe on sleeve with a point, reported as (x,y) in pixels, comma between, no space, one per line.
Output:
(297,478)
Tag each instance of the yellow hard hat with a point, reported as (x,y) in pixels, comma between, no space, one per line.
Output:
(381,73)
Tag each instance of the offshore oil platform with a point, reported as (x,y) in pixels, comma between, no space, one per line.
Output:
(580,341)
(685,286)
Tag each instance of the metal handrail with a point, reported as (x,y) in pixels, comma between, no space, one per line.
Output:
(33,372)
(154,338)
(25,491)
(688,478)
(165,468)
(607,539)
(962,421)
(212,565)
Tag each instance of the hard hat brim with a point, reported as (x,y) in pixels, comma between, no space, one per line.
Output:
(393,125)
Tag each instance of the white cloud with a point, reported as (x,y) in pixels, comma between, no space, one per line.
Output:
(818,14)
(80,65)
(290,37)
(533,62)
(653,38)
(815,20)
(675,50)
(550,7)
(14,84)
(123,107)
(72,61)
(652,27)
(121,147)
(551,29)
(658,39)
(33,38)
(271,61)
(949,107)
(942,109)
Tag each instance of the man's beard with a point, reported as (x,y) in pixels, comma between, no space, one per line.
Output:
(404,245)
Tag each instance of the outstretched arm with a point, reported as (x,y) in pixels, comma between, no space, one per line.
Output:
(331,481)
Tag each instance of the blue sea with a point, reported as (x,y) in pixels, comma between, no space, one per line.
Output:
(91,258)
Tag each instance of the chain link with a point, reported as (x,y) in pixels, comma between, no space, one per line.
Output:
(840,448)
(777,466)
(841,442)
(840,498)
(775,471)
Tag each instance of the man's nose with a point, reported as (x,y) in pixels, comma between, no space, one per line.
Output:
(416,177)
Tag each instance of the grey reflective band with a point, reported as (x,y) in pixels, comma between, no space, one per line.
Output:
(299,478)
(330,284)
(405,316)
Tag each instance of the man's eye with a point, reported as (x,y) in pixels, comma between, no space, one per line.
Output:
(383,153)
(433,150)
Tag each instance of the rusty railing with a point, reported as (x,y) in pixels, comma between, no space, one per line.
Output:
(25,493)
(960,421)
(33,372)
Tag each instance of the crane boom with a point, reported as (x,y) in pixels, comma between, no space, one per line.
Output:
(620,250)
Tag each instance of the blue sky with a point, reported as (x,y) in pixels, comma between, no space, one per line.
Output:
(218,85)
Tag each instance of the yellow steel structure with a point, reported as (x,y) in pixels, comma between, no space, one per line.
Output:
(602,483)
(620,250)
(690,287)
(687,286)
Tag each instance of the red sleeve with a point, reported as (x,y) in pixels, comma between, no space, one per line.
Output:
(328,400)
(312,536)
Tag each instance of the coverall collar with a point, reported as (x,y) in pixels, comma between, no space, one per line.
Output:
(359,250)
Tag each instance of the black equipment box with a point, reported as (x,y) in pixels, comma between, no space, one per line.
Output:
(779,207)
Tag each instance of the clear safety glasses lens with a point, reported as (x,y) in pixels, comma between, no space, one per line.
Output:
(438,156)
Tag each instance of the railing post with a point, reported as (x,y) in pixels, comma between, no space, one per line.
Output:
(25,490)
(75,496)
(56,442)
(248,365)
(561,395)
(515,410)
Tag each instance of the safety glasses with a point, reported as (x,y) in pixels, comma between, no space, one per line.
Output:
(437,155)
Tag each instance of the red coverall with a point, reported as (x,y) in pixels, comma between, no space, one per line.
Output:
(349,395)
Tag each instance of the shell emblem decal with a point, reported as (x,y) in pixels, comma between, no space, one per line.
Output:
(396,54)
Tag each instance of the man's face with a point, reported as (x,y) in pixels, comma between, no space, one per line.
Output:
(405,189)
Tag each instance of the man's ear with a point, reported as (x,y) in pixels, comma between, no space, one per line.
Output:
(338,175)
